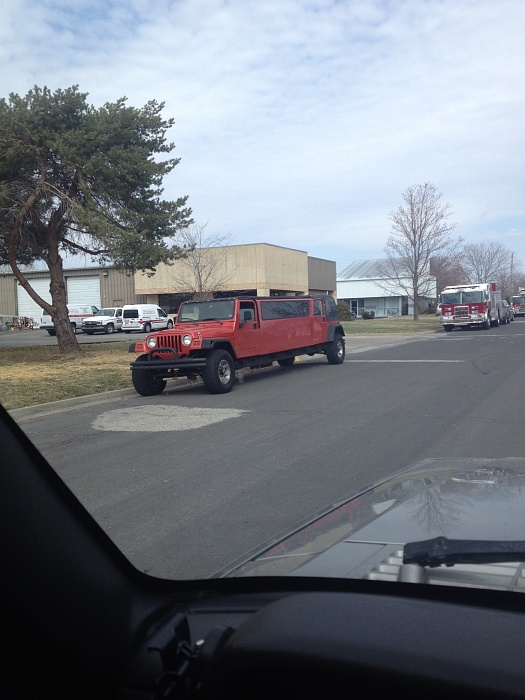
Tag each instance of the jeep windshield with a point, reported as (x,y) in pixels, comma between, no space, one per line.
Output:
(195,311)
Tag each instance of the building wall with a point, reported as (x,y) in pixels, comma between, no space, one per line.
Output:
(321,276)
(261,266)
(116,287)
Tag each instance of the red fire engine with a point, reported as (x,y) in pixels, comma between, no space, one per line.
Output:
(518,303)
(471,305)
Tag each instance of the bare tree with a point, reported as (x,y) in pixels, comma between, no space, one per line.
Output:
(203,270)
(512,278)
(447,270)
(421,231)
(486,262)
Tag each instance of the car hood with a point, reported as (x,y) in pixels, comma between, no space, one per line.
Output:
(364,536)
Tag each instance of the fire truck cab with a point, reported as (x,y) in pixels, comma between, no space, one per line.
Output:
(518,303)
(471,305)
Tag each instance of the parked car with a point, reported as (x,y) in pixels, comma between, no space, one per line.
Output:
(77,313)
(144,317)
(104,321)
(216,337)
(438,310)
(507,312)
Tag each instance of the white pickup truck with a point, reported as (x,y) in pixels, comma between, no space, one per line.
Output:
(105,320)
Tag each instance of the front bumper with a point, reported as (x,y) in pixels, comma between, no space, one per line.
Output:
(165,359)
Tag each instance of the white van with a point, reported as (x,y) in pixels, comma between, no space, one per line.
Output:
(144,317)
(77,313)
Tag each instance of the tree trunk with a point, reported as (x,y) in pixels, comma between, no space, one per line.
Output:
(67,343)
(416,301)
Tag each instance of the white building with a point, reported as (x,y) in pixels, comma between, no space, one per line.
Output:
(362,286)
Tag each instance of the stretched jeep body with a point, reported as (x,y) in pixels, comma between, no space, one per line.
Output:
(214,338)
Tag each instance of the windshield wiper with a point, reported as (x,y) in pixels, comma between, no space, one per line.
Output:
(441,550)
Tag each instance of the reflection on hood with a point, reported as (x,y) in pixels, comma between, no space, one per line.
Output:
(480,499)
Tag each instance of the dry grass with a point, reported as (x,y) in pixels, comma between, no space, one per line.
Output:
(426,323)
(36,375)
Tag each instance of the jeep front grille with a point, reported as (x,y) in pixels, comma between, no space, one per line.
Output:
(170,340)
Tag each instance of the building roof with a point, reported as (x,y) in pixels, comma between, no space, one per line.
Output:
(362,270)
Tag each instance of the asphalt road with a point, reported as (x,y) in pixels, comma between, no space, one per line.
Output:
(187,482)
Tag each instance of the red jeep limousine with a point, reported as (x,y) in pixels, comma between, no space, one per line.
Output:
(214,338)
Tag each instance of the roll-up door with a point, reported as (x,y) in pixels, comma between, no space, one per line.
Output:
(84,290)
(26,306)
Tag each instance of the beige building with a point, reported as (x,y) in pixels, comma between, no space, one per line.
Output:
(258,269)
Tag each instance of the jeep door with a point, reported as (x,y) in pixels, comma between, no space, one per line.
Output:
(247,331)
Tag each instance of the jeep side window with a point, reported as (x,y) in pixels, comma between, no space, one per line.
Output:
(318,307)
(246,312)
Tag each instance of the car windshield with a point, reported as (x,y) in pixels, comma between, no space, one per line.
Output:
(191,312)
(275,197)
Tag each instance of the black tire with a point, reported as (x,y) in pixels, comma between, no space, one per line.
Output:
(495,322)
(448,327)
(52,332)
(169,325)
(127,332)
(147,328)
(335,353)
(90,332)
(146,383)
(486,324)
(287,362)
(74,328)
(219,375)
(109,328)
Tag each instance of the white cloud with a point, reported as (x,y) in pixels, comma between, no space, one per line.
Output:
(301,123)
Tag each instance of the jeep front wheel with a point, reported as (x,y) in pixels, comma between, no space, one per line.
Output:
(219,375)
(335,353)
(147,383)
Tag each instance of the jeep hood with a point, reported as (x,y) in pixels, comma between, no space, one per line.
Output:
(364,536)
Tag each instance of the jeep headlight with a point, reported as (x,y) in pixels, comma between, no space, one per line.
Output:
(151,342)
(186,340)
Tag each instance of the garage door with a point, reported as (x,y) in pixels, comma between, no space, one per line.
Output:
(84,290)
(26,306)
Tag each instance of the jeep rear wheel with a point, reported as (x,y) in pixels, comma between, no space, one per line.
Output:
(287,362)
(147,383)
(335,352)
(219,375)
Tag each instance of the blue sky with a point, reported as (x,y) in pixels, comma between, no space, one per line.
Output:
(302,123)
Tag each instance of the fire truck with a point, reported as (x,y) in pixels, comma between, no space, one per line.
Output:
(471,305)
(518,303)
